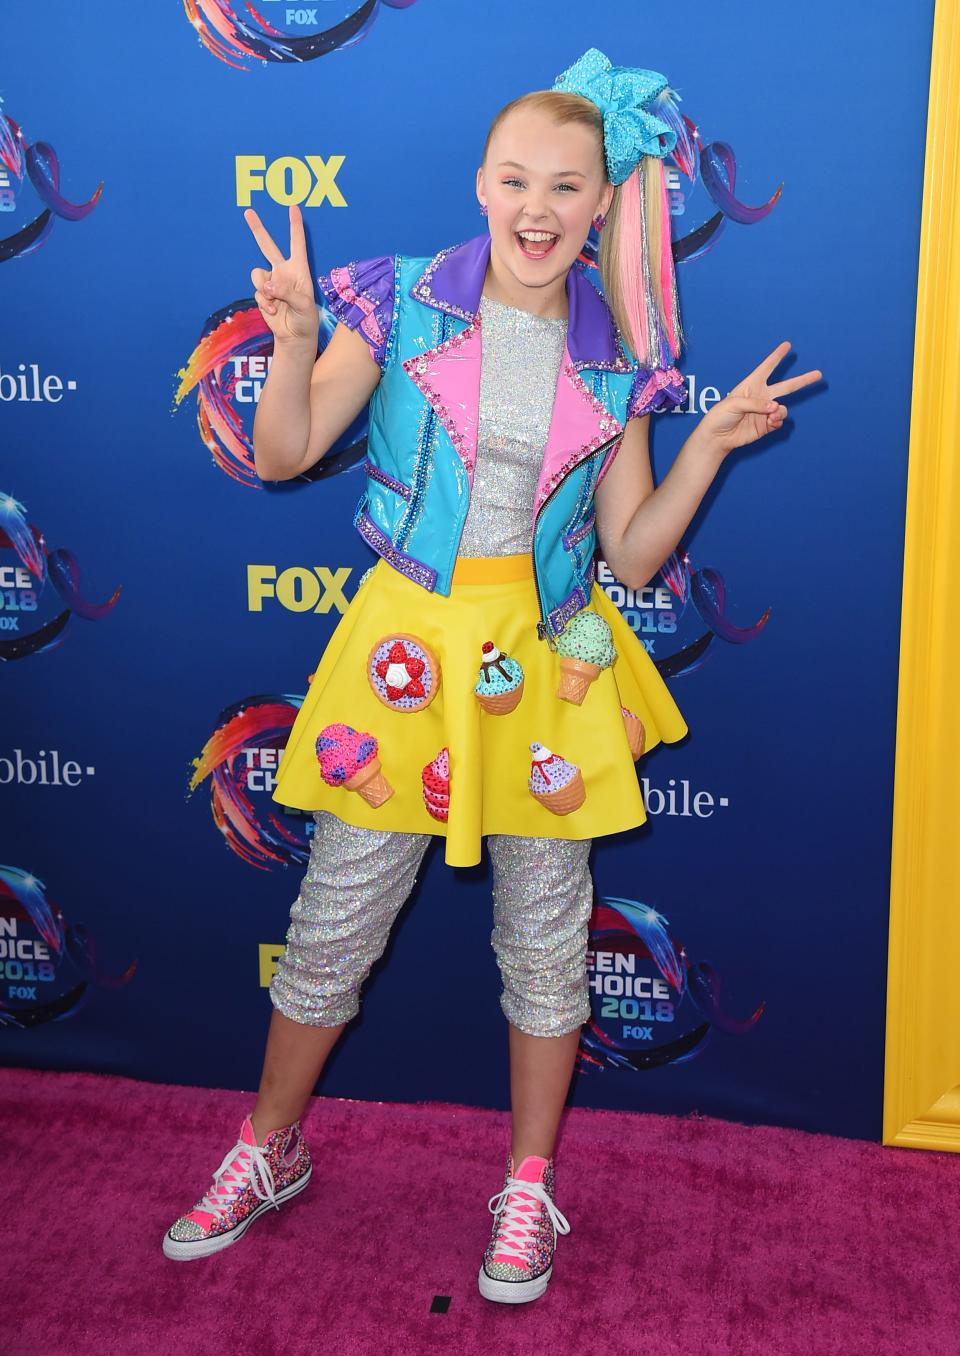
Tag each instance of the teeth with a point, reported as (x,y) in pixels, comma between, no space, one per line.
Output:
(536,235)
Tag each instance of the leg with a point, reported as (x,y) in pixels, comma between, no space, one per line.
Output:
(542,900)
(540,1071)
(356,882)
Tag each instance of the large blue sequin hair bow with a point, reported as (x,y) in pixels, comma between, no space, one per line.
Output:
(620,92)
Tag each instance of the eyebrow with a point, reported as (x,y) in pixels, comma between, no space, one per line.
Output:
(558,174)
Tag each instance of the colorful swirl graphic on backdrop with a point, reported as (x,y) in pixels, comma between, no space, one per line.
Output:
(36,564)
(651,1004)
(705,591)
(46,965)
(43,171)
(237,33)
(246,744)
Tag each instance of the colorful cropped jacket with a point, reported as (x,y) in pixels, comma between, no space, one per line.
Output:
(421,318)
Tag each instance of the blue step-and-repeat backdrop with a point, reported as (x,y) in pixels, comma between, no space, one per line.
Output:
(161,608)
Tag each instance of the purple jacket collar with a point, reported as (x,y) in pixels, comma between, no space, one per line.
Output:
(453,282)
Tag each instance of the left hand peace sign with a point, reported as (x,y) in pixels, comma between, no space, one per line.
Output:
(751,408)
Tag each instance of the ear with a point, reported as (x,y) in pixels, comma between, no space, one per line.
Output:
(606,198)
(481,187)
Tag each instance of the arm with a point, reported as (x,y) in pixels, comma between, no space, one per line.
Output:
(306,401)
(638,526)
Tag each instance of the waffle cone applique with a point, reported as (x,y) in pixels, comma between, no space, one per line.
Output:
(576,675)
(636,734)
(369,782)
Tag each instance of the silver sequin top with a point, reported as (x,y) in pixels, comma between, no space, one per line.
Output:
(518,379)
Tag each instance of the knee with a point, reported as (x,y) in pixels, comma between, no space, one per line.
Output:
(545,991)
(319,974)
(548,947)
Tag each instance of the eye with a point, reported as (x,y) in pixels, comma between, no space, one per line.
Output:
(510,182)
(571,187)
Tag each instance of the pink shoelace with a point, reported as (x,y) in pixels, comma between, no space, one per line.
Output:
(520,1203)
(244,1165)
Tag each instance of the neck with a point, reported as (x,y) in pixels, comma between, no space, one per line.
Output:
(548,301)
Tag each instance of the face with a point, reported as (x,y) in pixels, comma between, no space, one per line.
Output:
(542,184)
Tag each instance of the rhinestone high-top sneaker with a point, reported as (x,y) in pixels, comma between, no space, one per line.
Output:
(251,1179)
(518,1260)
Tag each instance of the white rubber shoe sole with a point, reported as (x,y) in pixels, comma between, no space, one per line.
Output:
(513,1292)
(187,1250)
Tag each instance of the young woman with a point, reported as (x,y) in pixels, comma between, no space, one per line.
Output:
(480,684)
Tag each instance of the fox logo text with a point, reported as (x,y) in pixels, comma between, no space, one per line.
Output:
(298,589)
(288,179)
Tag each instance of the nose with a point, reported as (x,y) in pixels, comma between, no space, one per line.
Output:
(535,208)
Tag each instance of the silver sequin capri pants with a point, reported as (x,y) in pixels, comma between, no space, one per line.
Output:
(356,882)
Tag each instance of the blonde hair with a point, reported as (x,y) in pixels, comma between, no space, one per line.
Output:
(636,255)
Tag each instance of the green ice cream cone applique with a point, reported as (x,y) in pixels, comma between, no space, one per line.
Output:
(585,646)
(500,685)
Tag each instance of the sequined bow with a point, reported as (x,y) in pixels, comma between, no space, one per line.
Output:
(620,92)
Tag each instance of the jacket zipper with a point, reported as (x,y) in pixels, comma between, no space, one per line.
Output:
(543,631)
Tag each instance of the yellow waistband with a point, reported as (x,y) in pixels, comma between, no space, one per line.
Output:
(493,569)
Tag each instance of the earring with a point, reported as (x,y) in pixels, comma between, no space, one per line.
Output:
(483,209)
(599,221)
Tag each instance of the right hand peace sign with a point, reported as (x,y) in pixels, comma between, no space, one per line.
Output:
(284,292)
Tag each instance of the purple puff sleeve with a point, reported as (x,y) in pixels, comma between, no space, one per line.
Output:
(656,388)
(361,295)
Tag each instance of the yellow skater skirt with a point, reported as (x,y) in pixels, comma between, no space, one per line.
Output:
(481,784)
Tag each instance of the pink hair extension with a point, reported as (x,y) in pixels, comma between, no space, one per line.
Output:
(634,266)
(666,262)
(667,275)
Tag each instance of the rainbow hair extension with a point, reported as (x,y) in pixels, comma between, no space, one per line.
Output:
(645,268)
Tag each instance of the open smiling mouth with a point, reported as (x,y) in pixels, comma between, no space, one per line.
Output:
(535,244)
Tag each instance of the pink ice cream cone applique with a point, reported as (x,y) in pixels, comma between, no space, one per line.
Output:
(348,758)
(436,785)
(585,646)
(500,685)
(636,734)
(403,672)
(554,782)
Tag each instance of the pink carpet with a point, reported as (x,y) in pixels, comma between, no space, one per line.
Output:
(689,1235)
